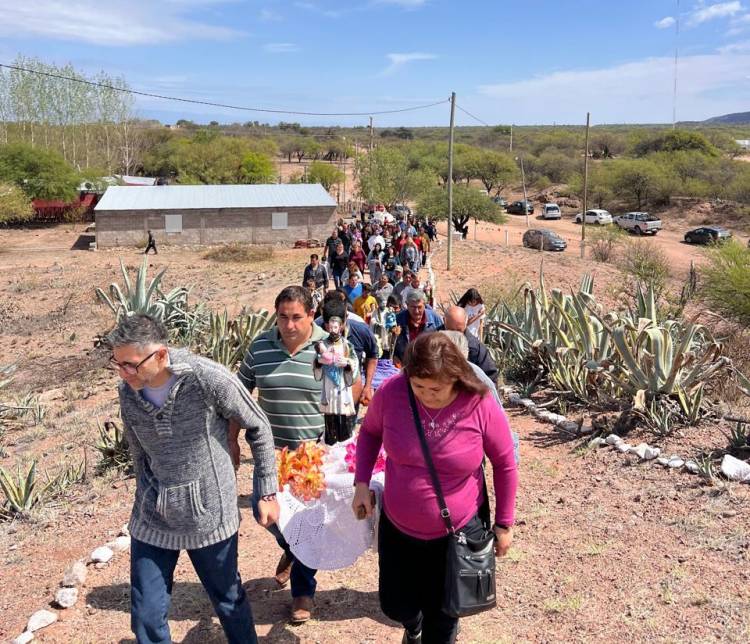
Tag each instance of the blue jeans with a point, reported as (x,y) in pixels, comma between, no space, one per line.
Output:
(151,576)
(302,578)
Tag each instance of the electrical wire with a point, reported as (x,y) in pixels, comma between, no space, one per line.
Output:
(223,105)
(477,119)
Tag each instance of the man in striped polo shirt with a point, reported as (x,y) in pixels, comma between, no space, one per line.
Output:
(279,363)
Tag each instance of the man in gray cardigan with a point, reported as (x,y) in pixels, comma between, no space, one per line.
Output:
(176,409)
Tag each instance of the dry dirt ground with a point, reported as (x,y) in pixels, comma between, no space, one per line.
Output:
(606,549)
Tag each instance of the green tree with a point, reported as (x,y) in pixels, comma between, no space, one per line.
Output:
(494,169)
(468,203)
(324,173)
(386,176)
(15,204)
(41,174)
(641,181)
(257,168)
(674,140)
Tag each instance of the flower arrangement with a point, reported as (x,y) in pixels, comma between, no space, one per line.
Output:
(351,458)
(301,469)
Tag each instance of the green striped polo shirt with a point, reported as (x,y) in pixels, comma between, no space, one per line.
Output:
(287,390)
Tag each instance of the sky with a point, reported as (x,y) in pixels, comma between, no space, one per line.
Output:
(533,62)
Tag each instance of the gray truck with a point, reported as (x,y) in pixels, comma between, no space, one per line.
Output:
(640,223)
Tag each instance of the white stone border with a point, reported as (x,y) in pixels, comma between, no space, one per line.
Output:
(74,577)
(733,468)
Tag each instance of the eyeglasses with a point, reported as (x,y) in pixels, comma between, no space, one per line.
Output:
(128,367)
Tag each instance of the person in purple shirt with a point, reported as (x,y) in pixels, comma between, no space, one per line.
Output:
(462,423)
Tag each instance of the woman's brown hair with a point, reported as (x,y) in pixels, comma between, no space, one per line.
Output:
(433,355)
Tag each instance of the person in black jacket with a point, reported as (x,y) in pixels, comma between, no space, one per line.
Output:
(455,320)
(317,272)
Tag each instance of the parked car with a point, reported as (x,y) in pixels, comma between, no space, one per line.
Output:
(551,211)
(707,235)
(640,223)
(547,239)
(595,216)
(500,201)
(520,208)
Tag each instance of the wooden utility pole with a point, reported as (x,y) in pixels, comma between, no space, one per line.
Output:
(371,135)
(450,182)
(585,188)
(511,137)
(525,198)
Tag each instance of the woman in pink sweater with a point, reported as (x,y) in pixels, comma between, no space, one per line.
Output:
(462,424)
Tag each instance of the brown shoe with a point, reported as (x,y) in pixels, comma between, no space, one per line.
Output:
(302,608)
(283,570)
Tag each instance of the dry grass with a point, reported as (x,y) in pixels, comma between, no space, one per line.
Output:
(240,253)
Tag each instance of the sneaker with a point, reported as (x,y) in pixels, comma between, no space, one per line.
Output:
(412,639)
(302,608)
(283,570)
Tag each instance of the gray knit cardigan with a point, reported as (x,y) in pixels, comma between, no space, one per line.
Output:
(186,491)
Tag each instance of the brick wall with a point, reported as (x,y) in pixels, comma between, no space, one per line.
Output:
(213,226)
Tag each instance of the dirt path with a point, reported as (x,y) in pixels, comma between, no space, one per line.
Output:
(606,549)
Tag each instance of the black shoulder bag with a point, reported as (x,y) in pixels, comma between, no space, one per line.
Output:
(470,563)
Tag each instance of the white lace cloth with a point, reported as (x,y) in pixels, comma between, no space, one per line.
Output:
(324,533)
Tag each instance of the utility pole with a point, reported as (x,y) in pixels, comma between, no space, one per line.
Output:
(585,188)
(511,137)
(525,200)
(371,135)
(676,43)
(450,182)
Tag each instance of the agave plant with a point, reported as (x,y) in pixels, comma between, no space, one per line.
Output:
(662,359)
(228,339)
(143,296)
(24,490)
(113,448)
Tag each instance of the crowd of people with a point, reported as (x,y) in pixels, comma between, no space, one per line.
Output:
(354,341)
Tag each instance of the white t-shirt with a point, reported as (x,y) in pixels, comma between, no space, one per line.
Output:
(471,311)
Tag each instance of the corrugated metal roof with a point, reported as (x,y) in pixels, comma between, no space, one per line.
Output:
(214,196)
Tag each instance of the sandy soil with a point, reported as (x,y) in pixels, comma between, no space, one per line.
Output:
(606,549)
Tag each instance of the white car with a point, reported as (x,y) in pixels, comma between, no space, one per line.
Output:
(551,211)
(595,216)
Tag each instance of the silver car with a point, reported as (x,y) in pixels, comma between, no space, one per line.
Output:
(551,211)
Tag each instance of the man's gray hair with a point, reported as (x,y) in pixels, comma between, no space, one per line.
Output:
(416,296)
(459,339)
(138,329)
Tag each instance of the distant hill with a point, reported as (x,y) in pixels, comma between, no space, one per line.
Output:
(738,118)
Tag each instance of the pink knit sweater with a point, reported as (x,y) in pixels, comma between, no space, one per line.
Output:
(464,431)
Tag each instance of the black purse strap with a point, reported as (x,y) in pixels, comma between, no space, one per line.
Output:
(445,513)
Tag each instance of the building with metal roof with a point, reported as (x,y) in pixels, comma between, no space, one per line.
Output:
(210,214)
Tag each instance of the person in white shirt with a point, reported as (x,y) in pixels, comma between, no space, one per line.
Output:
(475,312)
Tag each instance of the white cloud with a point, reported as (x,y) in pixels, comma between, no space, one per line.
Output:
(634,92)
(311,6)
(280,47)
(399,60)
(664,23)
(703,13)
(136,23)
(739,25)
(406,4)
(268,15)
(735,48)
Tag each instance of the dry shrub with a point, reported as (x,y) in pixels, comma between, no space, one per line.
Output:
(240,253)
(735,341)
(647,264)
(605,242)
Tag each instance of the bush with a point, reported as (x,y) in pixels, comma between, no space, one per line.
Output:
(240,253)
(605,241)
(725,282)
(647,263)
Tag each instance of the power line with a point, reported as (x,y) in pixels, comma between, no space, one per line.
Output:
(224,105)
(476,118)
